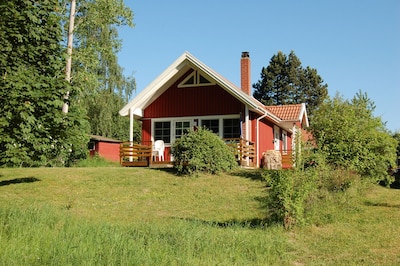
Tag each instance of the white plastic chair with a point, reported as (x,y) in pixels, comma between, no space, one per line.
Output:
(158,150)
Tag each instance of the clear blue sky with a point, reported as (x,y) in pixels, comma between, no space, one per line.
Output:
(354,45)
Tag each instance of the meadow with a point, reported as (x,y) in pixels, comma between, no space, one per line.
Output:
(142,216)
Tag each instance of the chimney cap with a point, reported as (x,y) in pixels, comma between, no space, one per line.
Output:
(245,54)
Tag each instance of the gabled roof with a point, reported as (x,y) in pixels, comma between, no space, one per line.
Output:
(290,112)
(174,71)
(284,115)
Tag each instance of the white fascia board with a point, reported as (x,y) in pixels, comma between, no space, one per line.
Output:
(146,94)
(232,89)
(303,112)
(138,112)
(236,92)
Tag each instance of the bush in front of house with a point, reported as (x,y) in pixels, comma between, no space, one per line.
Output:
(288,195)
(201,150)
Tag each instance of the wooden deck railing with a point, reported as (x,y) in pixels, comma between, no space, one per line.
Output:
(245,151)
(287,159)
(132,154)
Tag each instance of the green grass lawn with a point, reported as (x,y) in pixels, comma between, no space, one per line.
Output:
(141,216)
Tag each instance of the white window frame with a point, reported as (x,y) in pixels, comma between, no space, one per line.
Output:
(192,120)
(276,138)
(284,142)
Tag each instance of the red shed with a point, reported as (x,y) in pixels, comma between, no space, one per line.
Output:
(104,147)
(190,94)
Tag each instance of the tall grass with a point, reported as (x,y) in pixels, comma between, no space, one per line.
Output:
(33,236)
(140,216)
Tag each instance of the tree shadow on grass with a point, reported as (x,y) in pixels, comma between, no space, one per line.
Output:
(169,170)
(253,174)
(19,181)
(381,204)
(254,223)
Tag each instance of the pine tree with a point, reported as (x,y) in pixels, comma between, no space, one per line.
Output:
(285,81)
(33,130)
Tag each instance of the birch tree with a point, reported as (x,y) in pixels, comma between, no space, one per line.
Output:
(99,82)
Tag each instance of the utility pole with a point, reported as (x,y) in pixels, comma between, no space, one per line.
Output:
(69,53)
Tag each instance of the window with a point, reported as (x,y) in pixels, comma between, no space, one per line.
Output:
(212,124)
(162,131)
(92,145)
(231,128)
(181,127)
(171,129)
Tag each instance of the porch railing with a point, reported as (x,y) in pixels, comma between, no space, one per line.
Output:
(132,154)
(244,150)
(287,159)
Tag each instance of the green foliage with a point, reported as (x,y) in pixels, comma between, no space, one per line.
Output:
(33,130)
(396,136)
(103,88)
(350,137)
(202,151)
(285,81)
(288,194)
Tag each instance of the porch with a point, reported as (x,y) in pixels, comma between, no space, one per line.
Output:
(135,154)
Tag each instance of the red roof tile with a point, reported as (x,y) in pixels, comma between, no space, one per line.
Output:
(289,112)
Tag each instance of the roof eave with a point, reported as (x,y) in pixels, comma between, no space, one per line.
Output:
(147,93)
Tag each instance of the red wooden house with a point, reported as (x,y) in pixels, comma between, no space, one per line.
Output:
(190,94)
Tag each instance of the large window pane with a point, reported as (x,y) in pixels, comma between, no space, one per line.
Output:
(232,128)
(162,131)
(212,125)
(181,128)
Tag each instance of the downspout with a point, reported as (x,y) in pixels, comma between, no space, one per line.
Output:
(258,137)
(246,119)
(247,123)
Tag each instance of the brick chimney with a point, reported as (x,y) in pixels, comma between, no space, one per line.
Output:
(245,73)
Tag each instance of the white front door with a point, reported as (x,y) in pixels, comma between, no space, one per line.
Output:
(276,138)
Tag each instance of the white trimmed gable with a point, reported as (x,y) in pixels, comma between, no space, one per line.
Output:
(181,65)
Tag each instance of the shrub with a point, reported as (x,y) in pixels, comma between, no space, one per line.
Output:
(288,195)
(202,151)
(350,137)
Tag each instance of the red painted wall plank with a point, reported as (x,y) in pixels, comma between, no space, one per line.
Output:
(108,151)
(193,101)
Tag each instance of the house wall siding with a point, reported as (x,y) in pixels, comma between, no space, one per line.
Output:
(193,101)
(266,135)
(108,151)
(146,131)
(189,101)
